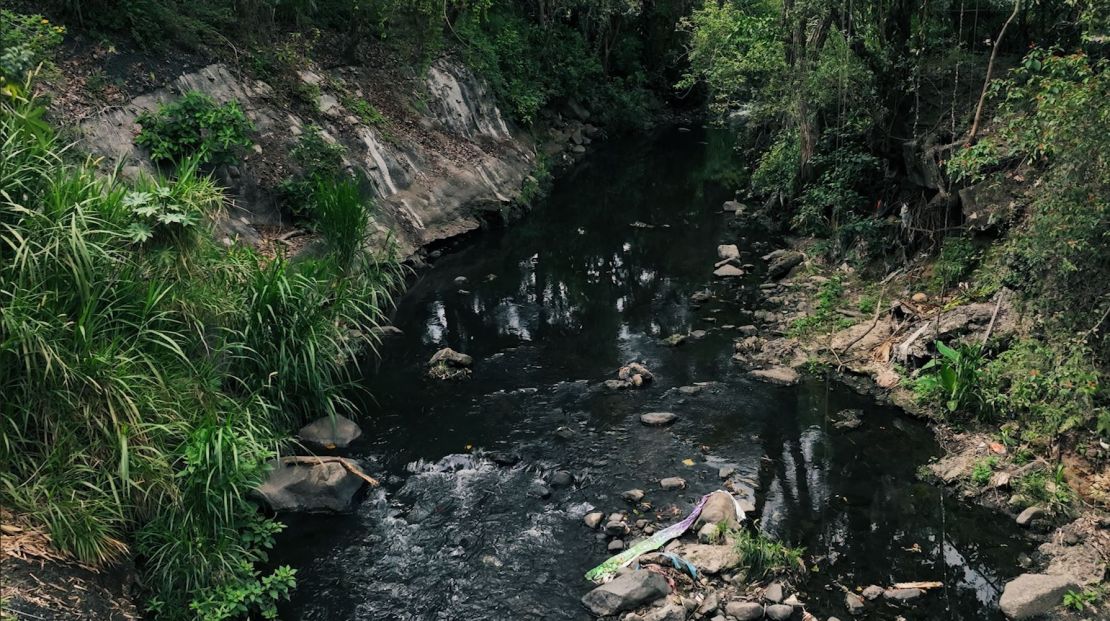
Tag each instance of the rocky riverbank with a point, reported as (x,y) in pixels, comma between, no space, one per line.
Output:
(876,352)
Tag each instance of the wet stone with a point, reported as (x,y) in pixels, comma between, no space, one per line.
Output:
(773,592)
(658,419)
(633,495)
(671,483)
(779,612)
(593,520)
(744,611)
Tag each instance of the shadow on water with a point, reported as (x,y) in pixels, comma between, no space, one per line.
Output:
(553,305)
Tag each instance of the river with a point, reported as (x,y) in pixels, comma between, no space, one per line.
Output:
(596,276)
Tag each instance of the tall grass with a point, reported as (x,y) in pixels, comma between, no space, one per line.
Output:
(148,375)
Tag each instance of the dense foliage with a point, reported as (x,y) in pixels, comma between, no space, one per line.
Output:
(150,374)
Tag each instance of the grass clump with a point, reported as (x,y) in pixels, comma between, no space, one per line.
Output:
(982,470)
(763,556)
(149,374)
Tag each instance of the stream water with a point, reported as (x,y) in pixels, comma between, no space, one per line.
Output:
(553,306)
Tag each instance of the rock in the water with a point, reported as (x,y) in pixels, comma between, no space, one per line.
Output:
(783,376)
(1031,595)
(773,592)
(779,612)
(728,251)
(634,375)
(616,384)
(658,419)
(728,271)
(872,592)
(902,595)
(633,495)
(616,526)
(733,206)
(318,485)
(726,472)
(562,478)
(539,490)
(701,297)
(449,364)
(593,519)
(719,508)
(616,545)
(330,432)
(1027,517)
(711,559)
(626,592)
(744,611)
(781,265)
(673,483)
(675,340)
(854,603)
(689,390)
(848,419)
(460,281)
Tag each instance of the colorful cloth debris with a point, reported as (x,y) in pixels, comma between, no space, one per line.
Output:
(608,569)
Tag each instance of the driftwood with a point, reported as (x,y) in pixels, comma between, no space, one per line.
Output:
(349,465)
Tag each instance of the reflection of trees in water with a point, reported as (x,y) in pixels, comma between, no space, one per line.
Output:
(579,278)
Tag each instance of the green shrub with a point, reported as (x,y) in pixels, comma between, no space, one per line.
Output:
(195,126)
(972,164)
(1050,388)
(955,261)
(320,160)
(1038,489)
(982,470)
(824,316)
(777,170)
(762,555)
(952,378)
(25,41)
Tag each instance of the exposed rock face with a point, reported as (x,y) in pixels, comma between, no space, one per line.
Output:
(330,433)
(480,161)
(1031,595)
(312,485)
(626,592)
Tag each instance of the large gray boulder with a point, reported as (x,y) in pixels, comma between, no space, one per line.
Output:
(1032,595)
(626,592)
(781,265)
(310,484)
(329,432)
(718,508)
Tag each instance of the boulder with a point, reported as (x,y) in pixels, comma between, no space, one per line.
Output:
(626,592)
(783,376)
(854,603)
(872,592)
(562,478)
(773,593)
(779,612)
(312,485)
(728,271)
(673,483)
(711,559)
(658,419)
(744,611)
(719,508)
(728,251)
(1032,595)
(329,432)
(781,265)
(593,519)
(733,206)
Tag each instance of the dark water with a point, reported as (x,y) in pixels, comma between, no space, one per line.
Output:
(553,306)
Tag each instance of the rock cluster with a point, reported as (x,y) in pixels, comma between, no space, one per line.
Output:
(448,364)
(631,375)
